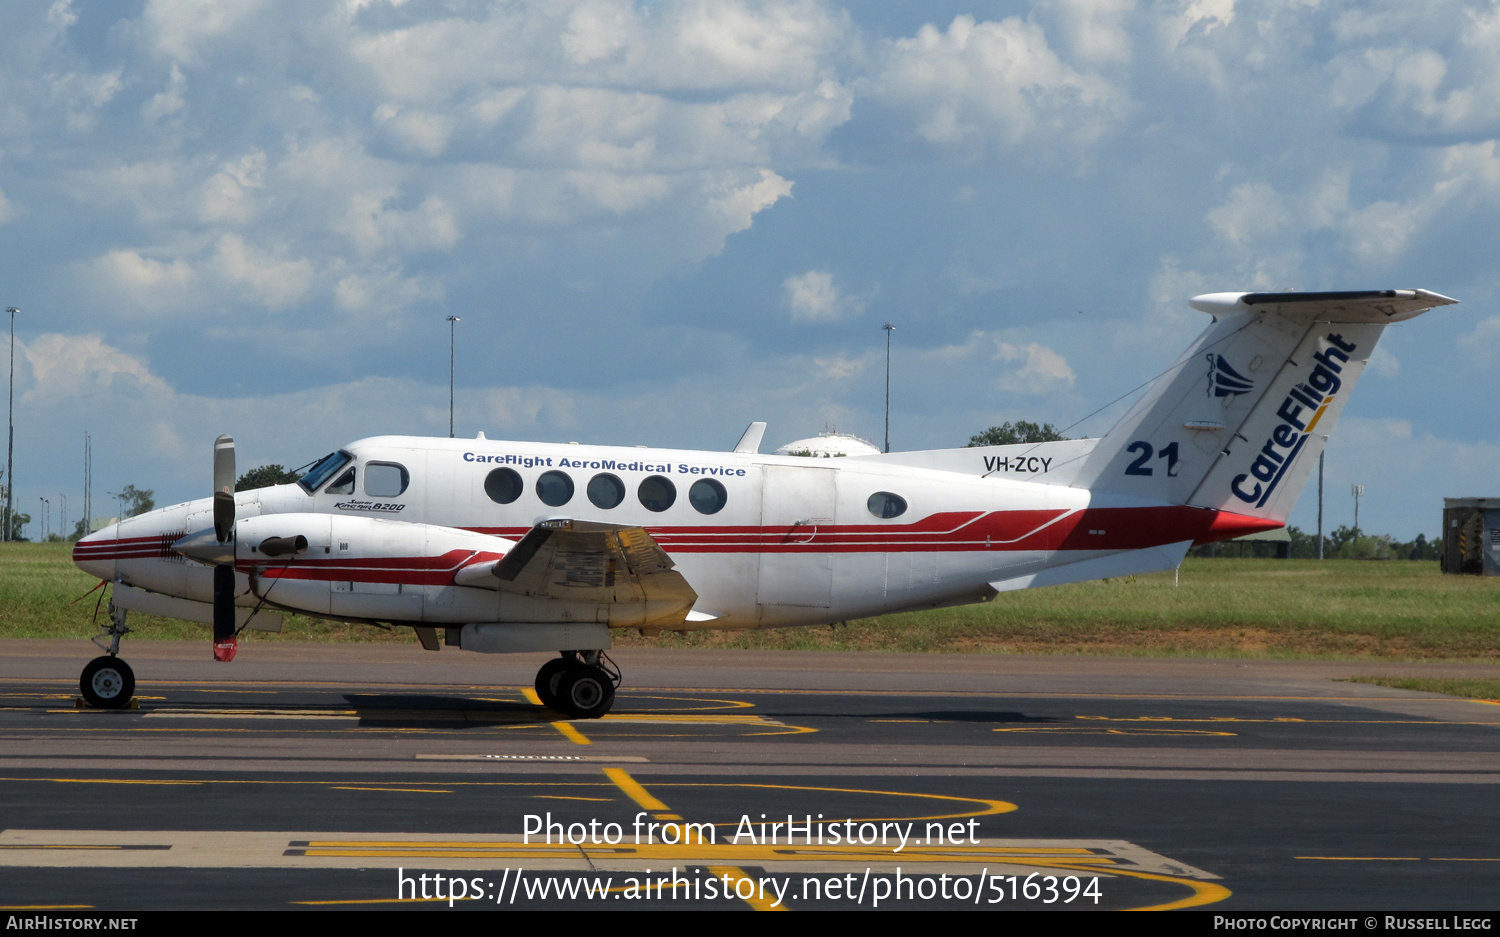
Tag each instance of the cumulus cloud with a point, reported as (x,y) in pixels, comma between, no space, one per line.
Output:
(145,282)
(1183,20)
(168,101)
(1095,31)
(229,194)
(978,87)
(268,278)
(1031,369)
(81,95)
(386,291)
(1382,230)
(372,226)
(733,203)
(64,366)
(1009,366)
(1391,456)
(813,297)
(840,367)
(185,30)
(1383,363)
(1482,343)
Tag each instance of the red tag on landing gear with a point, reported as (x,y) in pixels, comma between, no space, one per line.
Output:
(226,649)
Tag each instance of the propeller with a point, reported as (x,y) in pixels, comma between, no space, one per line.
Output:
(225,643)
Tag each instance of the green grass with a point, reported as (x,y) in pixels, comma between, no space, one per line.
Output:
(43,595)
(1255,608)
(1338,609)
(1471,688)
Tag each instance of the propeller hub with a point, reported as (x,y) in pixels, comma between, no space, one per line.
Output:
(205,547)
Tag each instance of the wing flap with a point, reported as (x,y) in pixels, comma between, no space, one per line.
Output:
(586,564)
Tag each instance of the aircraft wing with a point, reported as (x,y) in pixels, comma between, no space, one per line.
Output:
(589,563)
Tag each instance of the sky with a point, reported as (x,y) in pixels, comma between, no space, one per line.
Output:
(659,221)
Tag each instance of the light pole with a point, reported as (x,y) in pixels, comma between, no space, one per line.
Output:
(888,330)
(451,333)
(88,483)
(45,504)
(1320,504)
(62,518)
(10,440)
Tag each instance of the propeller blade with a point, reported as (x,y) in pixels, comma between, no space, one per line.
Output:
(225,644)
(224,487)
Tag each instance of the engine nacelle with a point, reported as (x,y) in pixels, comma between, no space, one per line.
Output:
(364,567)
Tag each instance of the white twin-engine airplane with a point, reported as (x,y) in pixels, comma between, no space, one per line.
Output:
(513,546)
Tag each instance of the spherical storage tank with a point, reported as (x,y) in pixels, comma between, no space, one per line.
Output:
(829,445)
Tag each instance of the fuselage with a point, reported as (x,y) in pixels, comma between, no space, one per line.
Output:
(765,541)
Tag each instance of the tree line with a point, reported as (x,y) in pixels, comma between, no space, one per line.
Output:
(132,501)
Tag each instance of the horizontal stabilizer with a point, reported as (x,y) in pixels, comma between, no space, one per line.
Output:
(1128,563)
(1346,306)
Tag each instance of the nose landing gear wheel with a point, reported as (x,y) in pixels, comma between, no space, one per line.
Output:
(107,683)
(585,692)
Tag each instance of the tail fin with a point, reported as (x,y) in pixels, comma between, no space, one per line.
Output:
(1237,423)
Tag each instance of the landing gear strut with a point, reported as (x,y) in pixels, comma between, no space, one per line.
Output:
(108,682)
(580,684)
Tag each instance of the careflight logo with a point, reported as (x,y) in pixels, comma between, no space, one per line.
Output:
(1224,381)
(1300,413)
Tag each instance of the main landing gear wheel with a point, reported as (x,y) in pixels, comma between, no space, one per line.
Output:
(585,692)
(579,684)
(107,683)
(548,678)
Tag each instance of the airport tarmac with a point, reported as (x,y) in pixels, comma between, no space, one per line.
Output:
(306,776)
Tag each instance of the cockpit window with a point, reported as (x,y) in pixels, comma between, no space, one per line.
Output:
(344,486)
(324,470)
(385,479)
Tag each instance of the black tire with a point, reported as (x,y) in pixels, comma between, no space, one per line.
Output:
(107,683)
(585,693)
(549,678)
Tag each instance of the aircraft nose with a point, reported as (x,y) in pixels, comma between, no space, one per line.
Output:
(96,553)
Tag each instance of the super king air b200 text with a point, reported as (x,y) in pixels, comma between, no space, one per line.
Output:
(514,546)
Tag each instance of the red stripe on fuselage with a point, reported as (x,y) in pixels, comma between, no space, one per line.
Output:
(1091,529)
(408,570)
(1057,529)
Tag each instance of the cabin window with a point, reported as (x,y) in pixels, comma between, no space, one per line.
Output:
(324,470)
(606,490)
(707,496)
(503,485)
(554,488)
(885,504)
(656,493)
(385,479)
(344,486)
